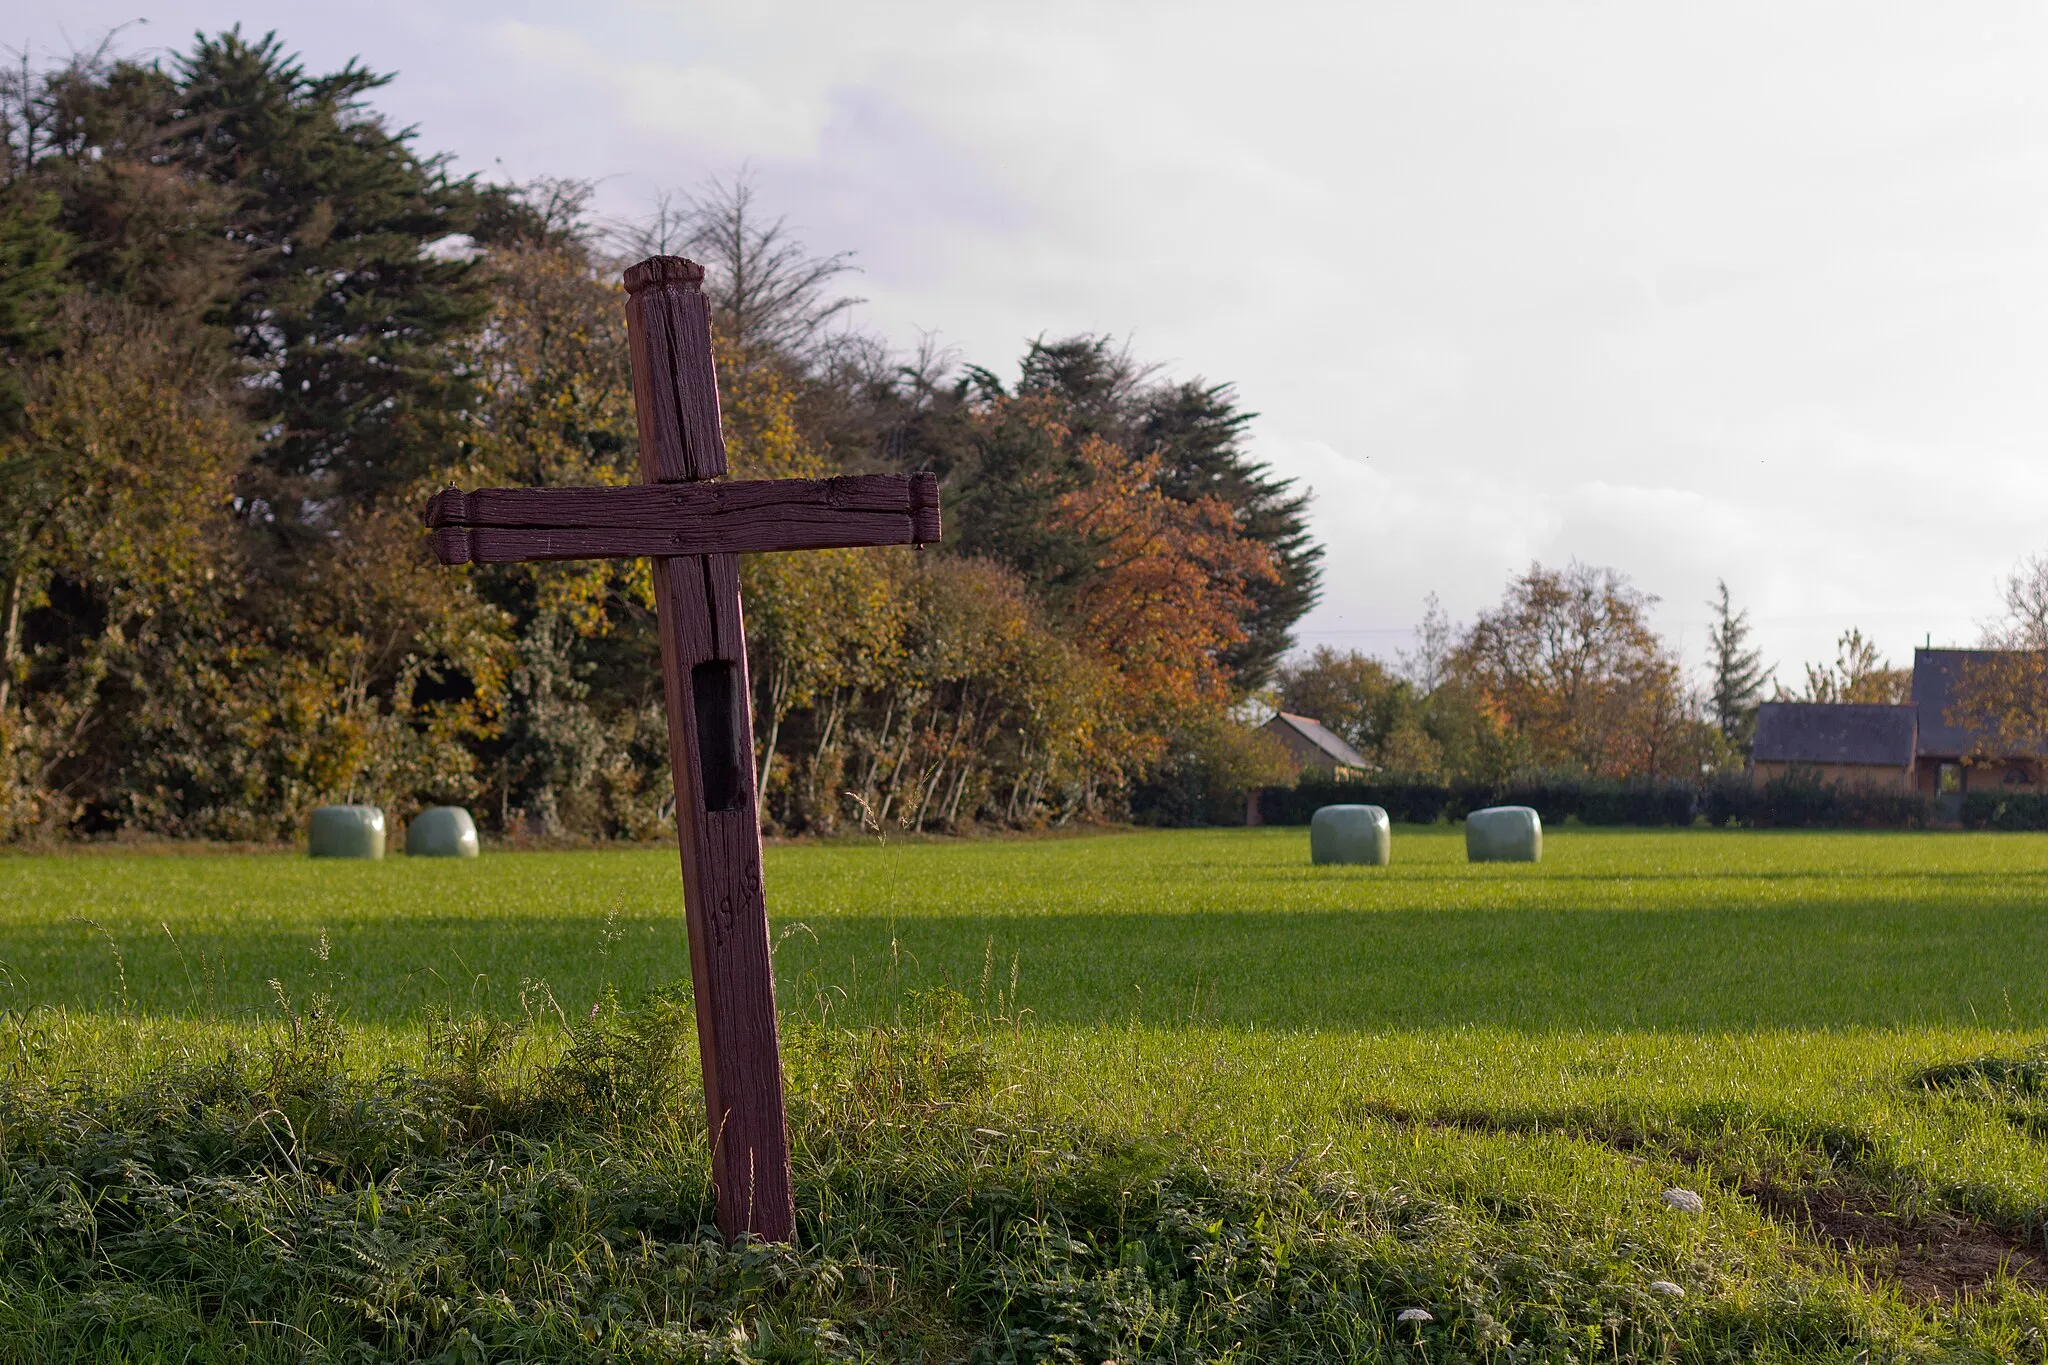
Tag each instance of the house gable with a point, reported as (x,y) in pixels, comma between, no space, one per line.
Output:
(1937,674)
(1311,743)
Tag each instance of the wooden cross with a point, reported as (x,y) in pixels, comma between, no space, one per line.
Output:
(695,530)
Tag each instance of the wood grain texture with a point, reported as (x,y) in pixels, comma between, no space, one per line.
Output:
(697,599)
(663,271)
(673,506)
(675,383)
(697,381)
(451,545)
(792,530)
(513,525)
(657,410)
(924,508)
(708,698)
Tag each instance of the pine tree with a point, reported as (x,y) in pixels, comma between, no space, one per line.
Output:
(1739,674)
(344,305)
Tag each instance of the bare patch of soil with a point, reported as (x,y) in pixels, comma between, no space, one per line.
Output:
(1938,1257)
(1942,1257)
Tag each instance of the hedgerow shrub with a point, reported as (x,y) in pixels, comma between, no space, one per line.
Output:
(1802,801)
(2005,810)
(1554,799)
(1795,801)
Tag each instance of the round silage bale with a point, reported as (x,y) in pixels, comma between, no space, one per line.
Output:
(441,832)
(1350,834)
(1503,834)
(345,832)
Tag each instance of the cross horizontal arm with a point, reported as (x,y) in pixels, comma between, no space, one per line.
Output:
(507,525)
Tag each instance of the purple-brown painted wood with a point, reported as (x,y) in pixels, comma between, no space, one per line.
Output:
(509,525)
(673,505)
(696,532)
(924,508)
(841,530)
(675,387)
(711,750)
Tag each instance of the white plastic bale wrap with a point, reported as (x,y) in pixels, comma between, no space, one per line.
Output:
(441,832)
(1350,834)
(1503,834)
(345,832)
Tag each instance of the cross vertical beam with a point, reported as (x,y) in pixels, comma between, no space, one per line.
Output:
(695,525)
(711,749)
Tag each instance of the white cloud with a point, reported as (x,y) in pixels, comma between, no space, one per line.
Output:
(1747,291)
(720,108)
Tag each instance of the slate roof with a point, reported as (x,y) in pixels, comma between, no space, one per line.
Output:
(1935,674)
(1328,741)
(1834,732)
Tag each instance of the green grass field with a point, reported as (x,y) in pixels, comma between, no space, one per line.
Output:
(1169,1096)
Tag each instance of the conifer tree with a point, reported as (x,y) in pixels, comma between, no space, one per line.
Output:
(1739,674)
(344,305)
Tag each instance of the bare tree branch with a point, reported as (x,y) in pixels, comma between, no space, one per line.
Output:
(768,293)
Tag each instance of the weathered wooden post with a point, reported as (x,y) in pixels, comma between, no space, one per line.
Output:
(696,529)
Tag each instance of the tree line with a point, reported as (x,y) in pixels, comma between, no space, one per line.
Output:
(1564,676)
(247,327)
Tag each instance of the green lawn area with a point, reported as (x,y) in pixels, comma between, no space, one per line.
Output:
(1692,931)
(1184,1097)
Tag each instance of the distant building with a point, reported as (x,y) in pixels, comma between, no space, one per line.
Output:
(1944,747)
(1850,745)
(1897,748)
(1311,745)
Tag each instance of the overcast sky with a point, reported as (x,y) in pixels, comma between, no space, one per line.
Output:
(1697,291)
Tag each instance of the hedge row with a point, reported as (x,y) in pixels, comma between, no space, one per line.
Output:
(1783,803)
(1999,810)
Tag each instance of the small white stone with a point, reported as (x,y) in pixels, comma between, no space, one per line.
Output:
(1685,1201)
(1415,1315)
(1666,1288)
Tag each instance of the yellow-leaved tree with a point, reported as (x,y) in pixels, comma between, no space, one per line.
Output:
(114,489)
(822,625)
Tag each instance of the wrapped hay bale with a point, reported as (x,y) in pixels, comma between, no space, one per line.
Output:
(345,832)
(441,832)
(1350,834)
(1503,834)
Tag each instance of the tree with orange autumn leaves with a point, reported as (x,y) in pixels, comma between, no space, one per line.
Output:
(1117,572)
(1569,665)
(2001,695)
(965,685)
(1166,597)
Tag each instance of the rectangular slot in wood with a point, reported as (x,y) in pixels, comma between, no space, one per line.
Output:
(714,687)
